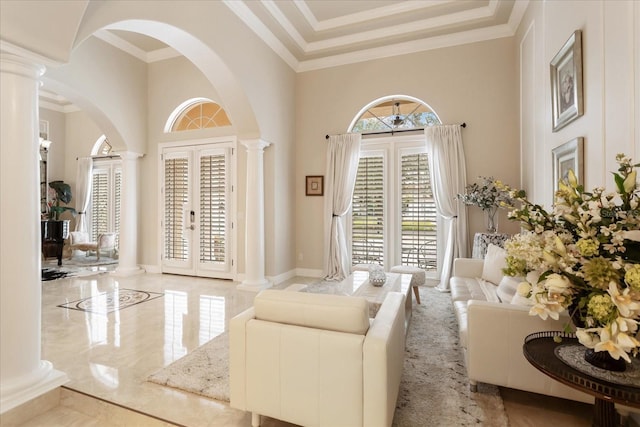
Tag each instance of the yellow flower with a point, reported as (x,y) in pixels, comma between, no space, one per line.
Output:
(588,247)
(632,277)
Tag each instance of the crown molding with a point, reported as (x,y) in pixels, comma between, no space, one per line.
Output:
(31,56)
(466,37)
(253,22)
(360,17)
(135,51)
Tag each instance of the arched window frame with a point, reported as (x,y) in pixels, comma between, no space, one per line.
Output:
(384,99)
(177,114)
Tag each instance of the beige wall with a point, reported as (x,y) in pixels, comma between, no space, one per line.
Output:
(474,83)
(611,82)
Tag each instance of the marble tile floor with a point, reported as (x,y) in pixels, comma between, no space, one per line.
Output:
(110,356)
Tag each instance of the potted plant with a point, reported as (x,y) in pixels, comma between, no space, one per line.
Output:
(62,194)
(489,196)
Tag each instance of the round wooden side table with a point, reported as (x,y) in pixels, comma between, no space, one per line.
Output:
(540,350)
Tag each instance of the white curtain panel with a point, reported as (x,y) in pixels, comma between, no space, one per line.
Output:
(448,178)
(83,191)
(343,154)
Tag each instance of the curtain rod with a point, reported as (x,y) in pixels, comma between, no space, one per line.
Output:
(462,125)
(110,156)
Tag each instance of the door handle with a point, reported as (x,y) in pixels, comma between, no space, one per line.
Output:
(192,217)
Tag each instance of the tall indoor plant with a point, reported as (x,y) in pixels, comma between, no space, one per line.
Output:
(62,194)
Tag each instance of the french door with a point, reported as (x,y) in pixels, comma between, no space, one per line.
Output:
(197,205)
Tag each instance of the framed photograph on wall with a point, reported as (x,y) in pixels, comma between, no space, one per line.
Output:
(315,185)
(566,82)
(566,157)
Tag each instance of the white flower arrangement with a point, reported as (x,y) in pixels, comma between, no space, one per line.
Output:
(488,195)
(584,257)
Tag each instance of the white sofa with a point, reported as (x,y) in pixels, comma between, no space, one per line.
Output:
(492,329)
(317,360)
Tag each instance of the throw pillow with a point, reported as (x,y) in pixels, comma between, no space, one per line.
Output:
(489,290)
(520,300)
(507,288)
(494,262)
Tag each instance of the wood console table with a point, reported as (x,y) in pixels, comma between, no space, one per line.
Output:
(540,350)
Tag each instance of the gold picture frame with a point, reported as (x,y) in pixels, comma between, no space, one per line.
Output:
(314,185)
(566,82)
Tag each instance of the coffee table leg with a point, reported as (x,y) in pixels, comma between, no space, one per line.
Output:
(604,414)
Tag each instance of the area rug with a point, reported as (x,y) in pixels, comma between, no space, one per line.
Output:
(109,302)
(204,371)
(55,273)
(434,390)
(85,261)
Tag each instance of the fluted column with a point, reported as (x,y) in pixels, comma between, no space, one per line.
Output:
(128,236)
(254,229)
(23,375)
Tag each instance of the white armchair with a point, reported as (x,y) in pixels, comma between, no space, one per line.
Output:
(316,359)
(79,240)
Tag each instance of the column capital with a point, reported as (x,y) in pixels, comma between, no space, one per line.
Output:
(21,66)
(255,144)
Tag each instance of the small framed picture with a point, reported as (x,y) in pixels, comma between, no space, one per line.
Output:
(315,185)
(568,156)
(566,82)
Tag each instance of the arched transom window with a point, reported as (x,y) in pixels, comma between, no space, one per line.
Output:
(199,113)
(394,113)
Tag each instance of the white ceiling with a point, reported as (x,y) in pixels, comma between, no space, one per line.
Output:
(313,34)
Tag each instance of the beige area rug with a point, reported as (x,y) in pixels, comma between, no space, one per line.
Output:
(204,371)
(434,390)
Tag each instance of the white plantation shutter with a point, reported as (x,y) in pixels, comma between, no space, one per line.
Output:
(213,196)
(418,228)
(176,197)
(367,226)
(116,210)
(99,203)
(104,208)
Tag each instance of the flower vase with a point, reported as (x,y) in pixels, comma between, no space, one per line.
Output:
(599,359)
(603,360)
(492,219)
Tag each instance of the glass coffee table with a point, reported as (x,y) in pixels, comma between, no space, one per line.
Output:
(357,284)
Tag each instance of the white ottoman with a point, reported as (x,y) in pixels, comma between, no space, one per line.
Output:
(418,277)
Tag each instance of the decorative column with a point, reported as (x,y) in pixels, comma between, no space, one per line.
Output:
(128,236)
(254,229)
(23,376)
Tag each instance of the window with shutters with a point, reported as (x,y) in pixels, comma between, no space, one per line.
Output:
(213,220)
(104,207)
(418,213)
(393,218)
(197,208)
(367,211)
(176,182)
(393,215)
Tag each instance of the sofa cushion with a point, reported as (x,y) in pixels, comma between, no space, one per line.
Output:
(507,288)
(494,262)
(332,312)
(465,289)
(489,290)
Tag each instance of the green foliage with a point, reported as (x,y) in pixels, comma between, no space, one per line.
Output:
(63,194)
